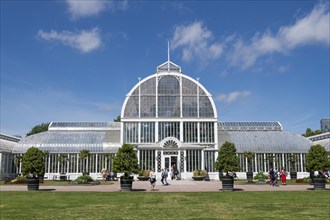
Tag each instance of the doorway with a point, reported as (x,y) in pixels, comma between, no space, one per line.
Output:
(169,161)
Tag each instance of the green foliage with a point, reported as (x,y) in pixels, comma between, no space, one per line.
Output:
(126,160)
(84,154)
(317,159)
(84,179)
(33,162)
(117,119)
(144,173)
(249,155)
(261,177)
(199,173)
(309,132)
(227,160)
(293,159)
(38,129)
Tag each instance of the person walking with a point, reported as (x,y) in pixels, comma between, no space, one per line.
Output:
(283,176)
(165,177)
(152,176)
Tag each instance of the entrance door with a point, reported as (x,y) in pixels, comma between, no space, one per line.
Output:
(169,161)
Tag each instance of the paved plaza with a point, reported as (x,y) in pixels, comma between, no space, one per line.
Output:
(175,186)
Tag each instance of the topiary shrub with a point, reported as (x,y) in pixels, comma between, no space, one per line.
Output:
(317,160)
(227,161)
(33,163)
(144,173)
(199,173)
(126,161)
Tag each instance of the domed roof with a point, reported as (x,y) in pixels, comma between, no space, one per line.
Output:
(168,94)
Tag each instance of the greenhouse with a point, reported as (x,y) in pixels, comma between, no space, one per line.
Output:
(170,118)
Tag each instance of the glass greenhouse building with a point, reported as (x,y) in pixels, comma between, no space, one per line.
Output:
(170,118)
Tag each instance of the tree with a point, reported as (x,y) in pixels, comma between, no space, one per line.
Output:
(317,159)
(63,158)
(126,161)
(84,155)
(227,160)
(117,119)
(33,162)
(293,158)
(38,129)
(249,156)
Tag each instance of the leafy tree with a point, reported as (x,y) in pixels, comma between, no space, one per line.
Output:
(293,159)
(227,160)
(117,119)
(317,159)
(309,132)
(33,162)
(38,129)
(84,155)
(249,155)
(126,160)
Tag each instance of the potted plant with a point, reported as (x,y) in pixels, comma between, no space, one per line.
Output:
(199,175)
(227,164)
(126,162)
(317,162)
(33,167)
(249,156)
(293,162)
(144,175)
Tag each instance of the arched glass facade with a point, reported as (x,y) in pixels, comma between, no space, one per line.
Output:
(170,118)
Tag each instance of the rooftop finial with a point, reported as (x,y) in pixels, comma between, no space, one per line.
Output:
(168,56)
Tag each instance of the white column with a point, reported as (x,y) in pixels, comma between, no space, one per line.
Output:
(255,163)
(301,163)
(181,131)
(156,132)
(96,161)
(203,165)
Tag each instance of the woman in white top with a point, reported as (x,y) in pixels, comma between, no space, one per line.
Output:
(152,176)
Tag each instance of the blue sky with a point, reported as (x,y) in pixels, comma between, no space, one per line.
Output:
(76,60)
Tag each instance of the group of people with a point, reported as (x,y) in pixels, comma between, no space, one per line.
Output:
(164,176)
(107,176)
(274,175)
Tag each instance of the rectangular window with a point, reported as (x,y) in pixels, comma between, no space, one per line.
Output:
(209,160)
(206,132)
(190,132)
(147,159)
(169,129)
(194,160)
(131,132)
(147,132)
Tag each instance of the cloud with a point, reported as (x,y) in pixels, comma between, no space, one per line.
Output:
(85,41)
(88,8)
(196,42)
(233,96)
(310,29)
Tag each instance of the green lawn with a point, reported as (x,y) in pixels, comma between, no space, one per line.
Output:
(148,205)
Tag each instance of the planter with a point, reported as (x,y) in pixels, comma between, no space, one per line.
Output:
(63,177)
(319,183)
(227,184)
(293,175)
(143,178)
(249,176)
(198,178)
(126,183)
(33,184)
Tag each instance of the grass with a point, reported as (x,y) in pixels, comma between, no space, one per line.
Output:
(141,205)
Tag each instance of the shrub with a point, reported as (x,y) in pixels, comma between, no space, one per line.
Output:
(227,161)
(84,179)
(126,160)
(19,180)
(261,177)
(33,163)
(199,173)
(317,159)
(144,173)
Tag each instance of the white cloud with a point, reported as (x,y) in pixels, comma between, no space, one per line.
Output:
(85,41)
(233,96)
(196,42)
(85,8)
(310,29)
